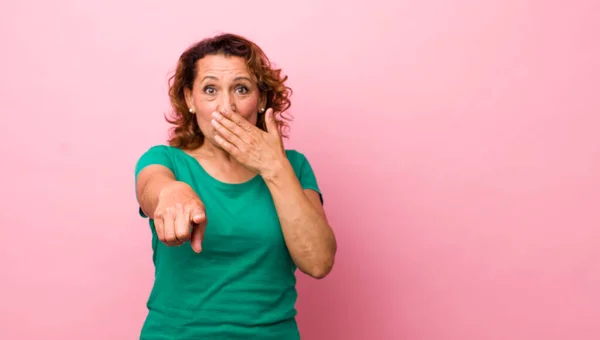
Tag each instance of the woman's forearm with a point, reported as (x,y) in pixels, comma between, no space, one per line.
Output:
(307,233)
(150,183)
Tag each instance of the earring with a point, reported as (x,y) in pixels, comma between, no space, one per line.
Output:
(262,109)
(191,110)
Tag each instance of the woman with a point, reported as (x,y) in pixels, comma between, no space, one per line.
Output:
(232,213)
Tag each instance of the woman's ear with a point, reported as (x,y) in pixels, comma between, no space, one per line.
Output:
(189,100)
(262,103)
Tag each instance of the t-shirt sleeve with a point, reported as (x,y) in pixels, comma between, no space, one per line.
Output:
(159,155)
(306,175)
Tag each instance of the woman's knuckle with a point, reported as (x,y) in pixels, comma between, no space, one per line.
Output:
(182,236)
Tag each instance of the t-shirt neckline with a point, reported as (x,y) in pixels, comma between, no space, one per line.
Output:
(215,181)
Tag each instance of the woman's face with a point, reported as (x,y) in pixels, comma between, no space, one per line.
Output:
(223,83)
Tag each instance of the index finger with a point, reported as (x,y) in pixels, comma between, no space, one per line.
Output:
(237,119)
(198,236)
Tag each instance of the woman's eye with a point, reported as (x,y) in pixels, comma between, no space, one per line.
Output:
(209,90)
(242,89)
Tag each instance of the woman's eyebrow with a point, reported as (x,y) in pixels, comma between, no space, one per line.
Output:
(243,78)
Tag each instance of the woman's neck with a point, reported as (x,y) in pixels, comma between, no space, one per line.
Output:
(209,150)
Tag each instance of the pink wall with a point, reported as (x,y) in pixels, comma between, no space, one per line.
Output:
(456,143)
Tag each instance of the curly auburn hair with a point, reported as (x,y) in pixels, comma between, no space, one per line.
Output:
(186,133)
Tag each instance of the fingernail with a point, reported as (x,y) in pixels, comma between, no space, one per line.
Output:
(216,114)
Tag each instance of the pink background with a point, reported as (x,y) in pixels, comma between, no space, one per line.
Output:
(456,143)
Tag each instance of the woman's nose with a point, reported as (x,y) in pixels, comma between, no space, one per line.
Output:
(226,103)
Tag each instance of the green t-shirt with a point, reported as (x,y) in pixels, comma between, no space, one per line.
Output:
(242,284)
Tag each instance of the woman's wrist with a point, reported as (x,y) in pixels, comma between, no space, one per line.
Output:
(277,171)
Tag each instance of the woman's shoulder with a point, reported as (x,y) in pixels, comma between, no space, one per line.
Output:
(155,154)
(161,154)
(295,156)
(161,149)
(298,160)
